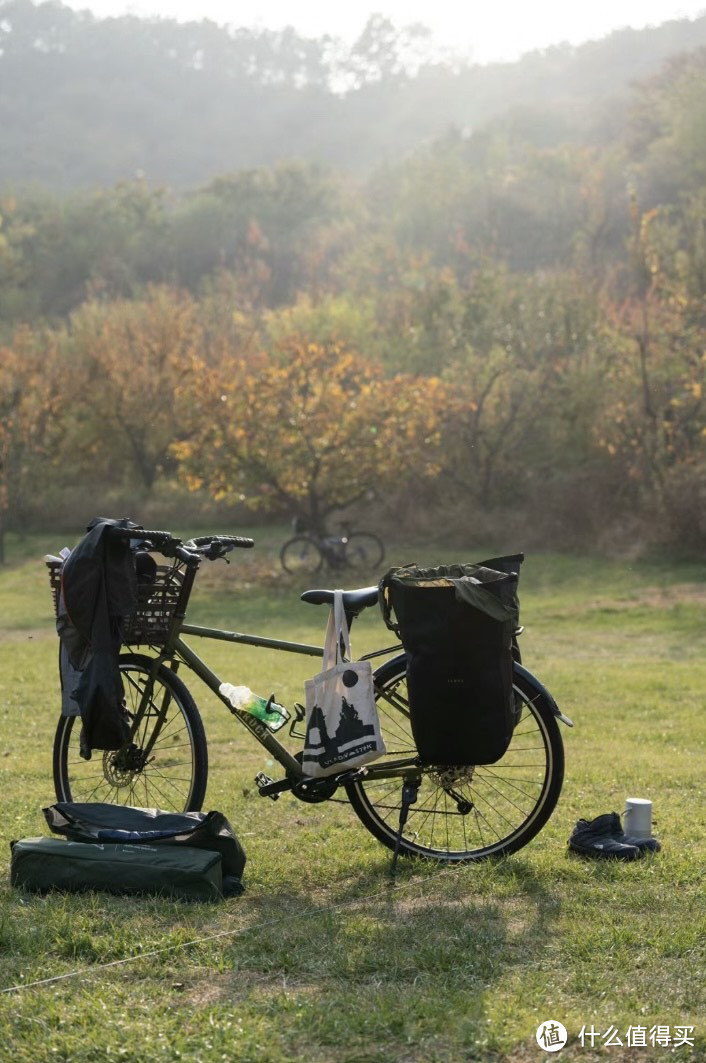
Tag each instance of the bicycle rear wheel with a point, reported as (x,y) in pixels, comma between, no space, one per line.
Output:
(467,813)
(301,555)
(169,773)
(364,550)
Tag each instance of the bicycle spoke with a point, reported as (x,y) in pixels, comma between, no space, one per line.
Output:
(461,813)
(165,763)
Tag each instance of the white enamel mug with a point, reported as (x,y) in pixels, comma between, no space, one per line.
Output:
(637,819)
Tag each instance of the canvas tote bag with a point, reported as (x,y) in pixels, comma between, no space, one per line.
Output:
(342,726)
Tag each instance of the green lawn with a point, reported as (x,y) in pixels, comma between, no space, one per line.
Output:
(324,958)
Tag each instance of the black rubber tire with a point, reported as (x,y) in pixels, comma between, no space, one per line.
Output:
(364,551)
(301,556)
(174,778)
(496,809)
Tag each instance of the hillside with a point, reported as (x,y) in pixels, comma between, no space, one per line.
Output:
(87,102)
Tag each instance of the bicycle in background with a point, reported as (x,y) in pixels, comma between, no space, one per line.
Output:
(306,553)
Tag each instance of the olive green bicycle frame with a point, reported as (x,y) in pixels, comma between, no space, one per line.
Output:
(184,653)
(175,652)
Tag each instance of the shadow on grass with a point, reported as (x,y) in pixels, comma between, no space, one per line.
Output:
(411,965)
(468,923)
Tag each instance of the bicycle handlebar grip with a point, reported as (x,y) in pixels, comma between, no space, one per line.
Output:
(223,540)
(155,537)
(142,534)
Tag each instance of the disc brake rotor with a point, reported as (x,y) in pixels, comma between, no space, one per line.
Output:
(121,766)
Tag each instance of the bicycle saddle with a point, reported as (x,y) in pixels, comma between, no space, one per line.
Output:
(353,601)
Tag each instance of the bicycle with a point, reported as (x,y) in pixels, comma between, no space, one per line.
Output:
(447,814)
(306,552)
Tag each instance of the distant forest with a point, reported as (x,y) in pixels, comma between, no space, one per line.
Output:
(246,271)
(87,101)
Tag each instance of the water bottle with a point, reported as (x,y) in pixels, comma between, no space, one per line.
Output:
(267,710)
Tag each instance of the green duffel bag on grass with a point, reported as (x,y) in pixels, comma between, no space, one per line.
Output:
(45,864)
(93,822)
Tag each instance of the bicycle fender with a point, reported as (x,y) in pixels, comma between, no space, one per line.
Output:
(542,691)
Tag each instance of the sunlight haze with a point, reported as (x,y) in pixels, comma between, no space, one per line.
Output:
(502,31)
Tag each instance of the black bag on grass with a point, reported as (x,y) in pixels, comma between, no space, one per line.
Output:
(457,624)
(45,864)
(96,822)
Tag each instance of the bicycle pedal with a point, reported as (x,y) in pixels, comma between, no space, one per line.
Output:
(269,788)
(262,781)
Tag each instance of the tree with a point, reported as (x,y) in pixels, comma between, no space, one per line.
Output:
(130,359)
(271,225)
(667,132)
(31,387)
(55,253)
(515,354)
(652,423)
(307,429)
(16,288)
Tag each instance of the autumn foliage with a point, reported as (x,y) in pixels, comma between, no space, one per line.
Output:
(307,428)
(498,338)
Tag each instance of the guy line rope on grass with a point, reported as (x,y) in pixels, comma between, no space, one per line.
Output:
(96,968)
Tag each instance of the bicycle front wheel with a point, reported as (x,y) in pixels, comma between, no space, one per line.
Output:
(165,765)
(364,551)
(465,813)
(301,556)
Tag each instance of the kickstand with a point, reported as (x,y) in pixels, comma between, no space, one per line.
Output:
(409,796)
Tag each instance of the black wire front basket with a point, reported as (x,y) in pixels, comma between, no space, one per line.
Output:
(157,603)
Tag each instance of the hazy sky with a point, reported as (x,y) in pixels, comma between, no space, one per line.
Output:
(493,29)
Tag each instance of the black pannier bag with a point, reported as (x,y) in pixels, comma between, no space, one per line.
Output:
(457,624)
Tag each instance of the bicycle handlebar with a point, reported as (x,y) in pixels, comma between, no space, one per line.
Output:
(209,546)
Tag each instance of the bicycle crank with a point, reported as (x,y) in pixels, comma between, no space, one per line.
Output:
(315,790)
(310,790)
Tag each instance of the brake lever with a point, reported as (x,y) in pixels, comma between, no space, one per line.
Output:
(212,551)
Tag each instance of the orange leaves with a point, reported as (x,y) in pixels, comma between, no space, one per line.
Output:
(131,361)
(311,424)
(651,419)
(30,426)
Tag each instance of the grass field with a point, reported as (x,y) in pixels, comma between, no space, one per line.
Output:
(325,957)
